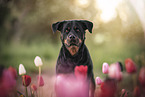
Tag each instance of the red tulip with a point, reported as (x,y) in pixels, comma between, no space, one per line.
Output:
(26,80)
(81,72)
(142,76)
(130,66)
(108,88)
(41,81)
(13,71)
(136,92)
(33,87)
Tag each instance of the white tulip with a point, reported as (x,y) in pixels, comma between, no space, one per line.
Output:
(22,70)
(38,61)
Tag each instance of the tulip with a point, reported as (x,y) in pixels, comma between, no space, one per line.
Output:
(38,61)
(81,72)
(136,92)
(40,81)
(142,76)
(124,93)
(108,88)
(26,80)
(22,70)
(13,71)
(120,65)
(68,86)
(115,72)
(130,66)
(98,81)
(105,68)
(7,83)
(33,87)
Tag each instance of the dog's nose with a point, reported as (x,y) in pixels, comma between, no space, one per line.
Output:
(71,37)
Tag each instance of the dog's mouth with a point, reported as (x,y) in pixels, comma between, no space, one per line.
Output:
(72,42)
(72,45)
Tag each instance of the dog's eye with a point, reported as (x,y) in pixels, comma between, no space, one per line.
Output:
(78,30)
(66,31)
(68,28)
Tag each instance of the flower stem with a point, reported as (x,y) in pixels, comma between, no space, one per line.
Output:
(36,94)
(134,76)
(39,81)
(26,92)
(31,92)
(42,92)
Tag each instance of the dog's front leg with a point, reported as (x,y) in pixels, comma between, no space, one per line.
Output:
(92,87)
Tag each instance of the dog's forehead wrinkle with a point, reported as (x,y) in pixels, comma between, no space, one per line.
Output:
(78,25)
(72,24)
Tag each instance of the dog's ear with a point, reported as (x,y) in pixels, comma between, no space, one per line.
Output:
(87,25)
(57,26)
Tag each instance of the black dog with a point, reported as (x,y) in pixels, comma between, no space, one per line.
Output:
(73,51)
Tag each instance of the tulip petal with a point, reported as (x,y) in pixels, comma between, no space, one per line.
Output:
(105,68)
(22,70)
(38,61)
(98,81)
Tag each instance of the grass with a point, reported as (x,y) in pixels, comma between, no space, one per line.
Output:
(14,54)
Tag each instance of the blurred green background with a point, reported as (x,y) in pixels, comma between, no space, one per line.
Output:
(25,30)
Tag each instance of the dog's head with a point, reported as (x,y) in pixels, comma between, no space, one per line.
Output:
(73,33)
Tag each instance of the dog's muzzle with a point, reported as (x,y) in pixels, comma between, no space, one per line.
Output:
(72,40)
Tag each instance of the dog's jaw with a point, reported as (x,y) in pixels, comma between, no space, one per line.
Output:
(73,49)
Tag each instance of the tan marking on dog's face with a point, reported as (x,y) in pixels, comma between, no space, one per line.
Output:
(73,49)
(80,41)
(65,41)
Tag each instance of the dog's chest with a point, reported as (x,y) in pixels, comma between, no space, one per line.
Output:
(66,64)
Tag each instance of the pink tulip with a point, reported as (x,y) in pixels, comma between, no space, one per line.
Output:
(7,83)
(120,65)
(124,93)
(13,71)
(33,87)
(130,66)
(142,76)
(41,81)
(105,68)
(98,81)
(68,86)
(115,72)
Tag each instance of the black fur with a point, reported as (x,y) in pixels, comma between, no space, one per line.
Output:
(67,62)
